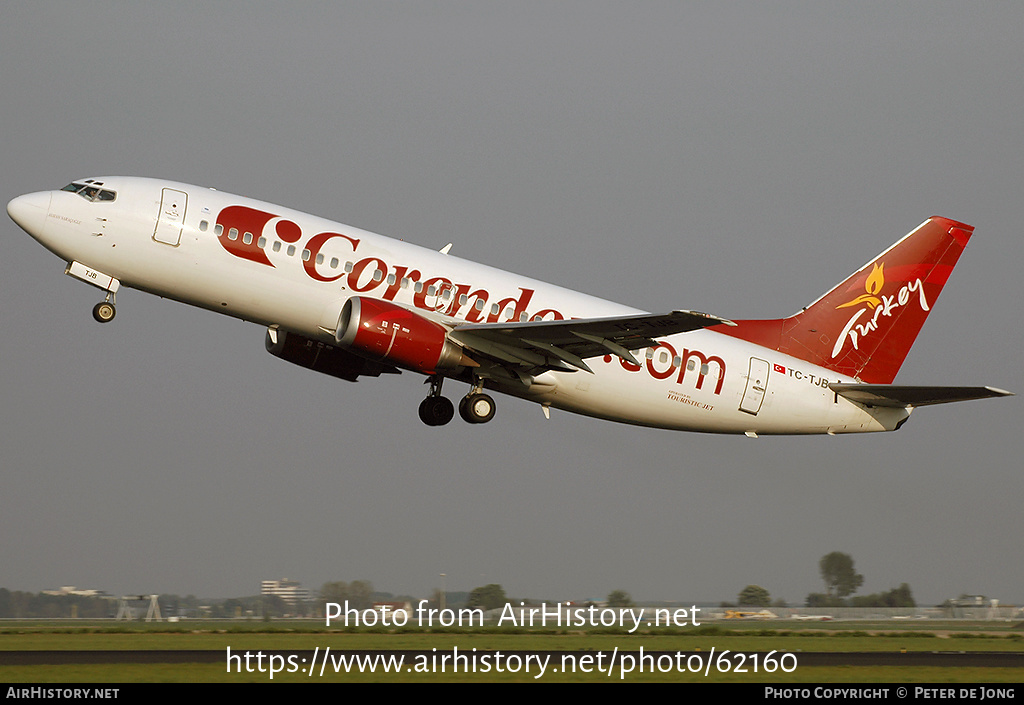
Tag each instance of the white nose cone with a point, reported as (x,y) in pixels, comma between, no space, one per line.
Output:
(30,211)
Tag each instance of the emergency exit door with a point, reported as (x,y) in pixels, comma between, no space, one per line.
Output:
(757,384)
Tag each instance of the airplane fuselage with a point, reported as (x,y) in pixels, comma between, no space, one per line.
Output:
(294,272)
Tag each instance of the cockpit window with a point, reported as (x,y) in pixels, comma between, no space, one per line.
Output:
(90,190)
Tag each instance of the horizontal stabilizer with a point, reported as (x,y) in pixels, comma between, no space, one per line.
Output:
(898,395)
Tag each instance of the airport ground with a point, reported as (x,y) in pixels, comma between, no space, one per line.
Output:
(79,651)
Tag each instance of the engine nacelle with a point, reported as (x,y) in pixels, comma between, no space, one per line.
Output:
(384,331)
(314,355)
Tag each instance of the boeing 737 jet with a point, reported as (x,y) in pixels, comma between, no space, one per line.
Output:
(350,303)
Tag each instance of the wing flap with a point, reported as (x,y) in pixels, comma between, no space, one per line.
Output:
(559,344)
(899,396)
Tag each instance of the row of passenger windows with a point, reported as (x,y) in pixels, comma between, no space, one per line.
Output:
(378,275)
(677,361)
(334,263)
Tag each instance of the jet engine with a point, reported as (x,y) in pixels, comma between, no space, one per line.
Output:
(321,357)
(389,333)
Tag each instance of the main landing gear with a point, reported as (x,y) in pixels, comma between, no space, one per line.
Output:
(105,311)
(475,407)
(436,410)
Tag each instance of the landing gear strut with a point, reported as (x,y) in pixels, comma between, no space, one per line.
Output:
(476,407)
(105,311)
(436,410)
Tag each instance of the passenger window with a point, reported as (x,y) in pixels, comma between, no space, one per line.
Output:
(262,242)
(291,250)
(233,234)
(203,225)
(277,246)
(218,229)
(247,238)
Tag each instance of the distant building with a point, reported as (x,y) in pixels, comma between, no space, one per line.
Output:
(393,607)
(291,591)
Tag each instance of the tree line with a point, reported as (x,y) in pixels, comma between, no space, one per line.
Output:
(841,581)
(837,572)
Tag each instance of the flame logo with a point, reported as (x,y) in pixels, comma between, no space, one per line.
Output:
(873,285)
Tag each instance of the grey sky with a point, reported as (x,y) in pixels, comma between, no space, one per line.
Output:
(737,158)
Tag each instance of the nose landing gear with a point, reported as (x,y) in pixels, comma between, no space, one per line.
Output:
(105,311)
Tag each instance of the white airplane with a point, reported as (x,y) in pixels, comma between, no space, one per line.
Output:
(349,303)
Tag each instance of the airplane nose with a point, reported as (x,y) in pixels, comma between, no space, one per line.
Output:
(30,211)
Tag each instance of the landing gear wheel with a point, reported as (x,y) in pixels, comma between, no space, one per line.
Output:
(476,408)
(104,312)
(436,411)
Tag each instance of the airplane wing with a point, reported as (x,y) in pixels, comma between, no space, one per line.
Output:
(899,396)
(564,345)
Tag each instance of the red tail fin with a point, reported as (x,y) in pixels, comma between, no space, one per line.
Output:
(865,327)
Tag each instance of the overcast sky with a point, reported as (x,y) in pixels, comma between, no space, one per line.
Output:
(736,158)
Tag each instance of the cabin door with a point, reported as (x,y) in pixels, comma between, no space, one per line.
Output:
(757,383)
(171,218)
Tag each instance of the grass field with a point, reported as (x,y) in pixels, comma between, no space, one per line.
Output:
(295,637)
